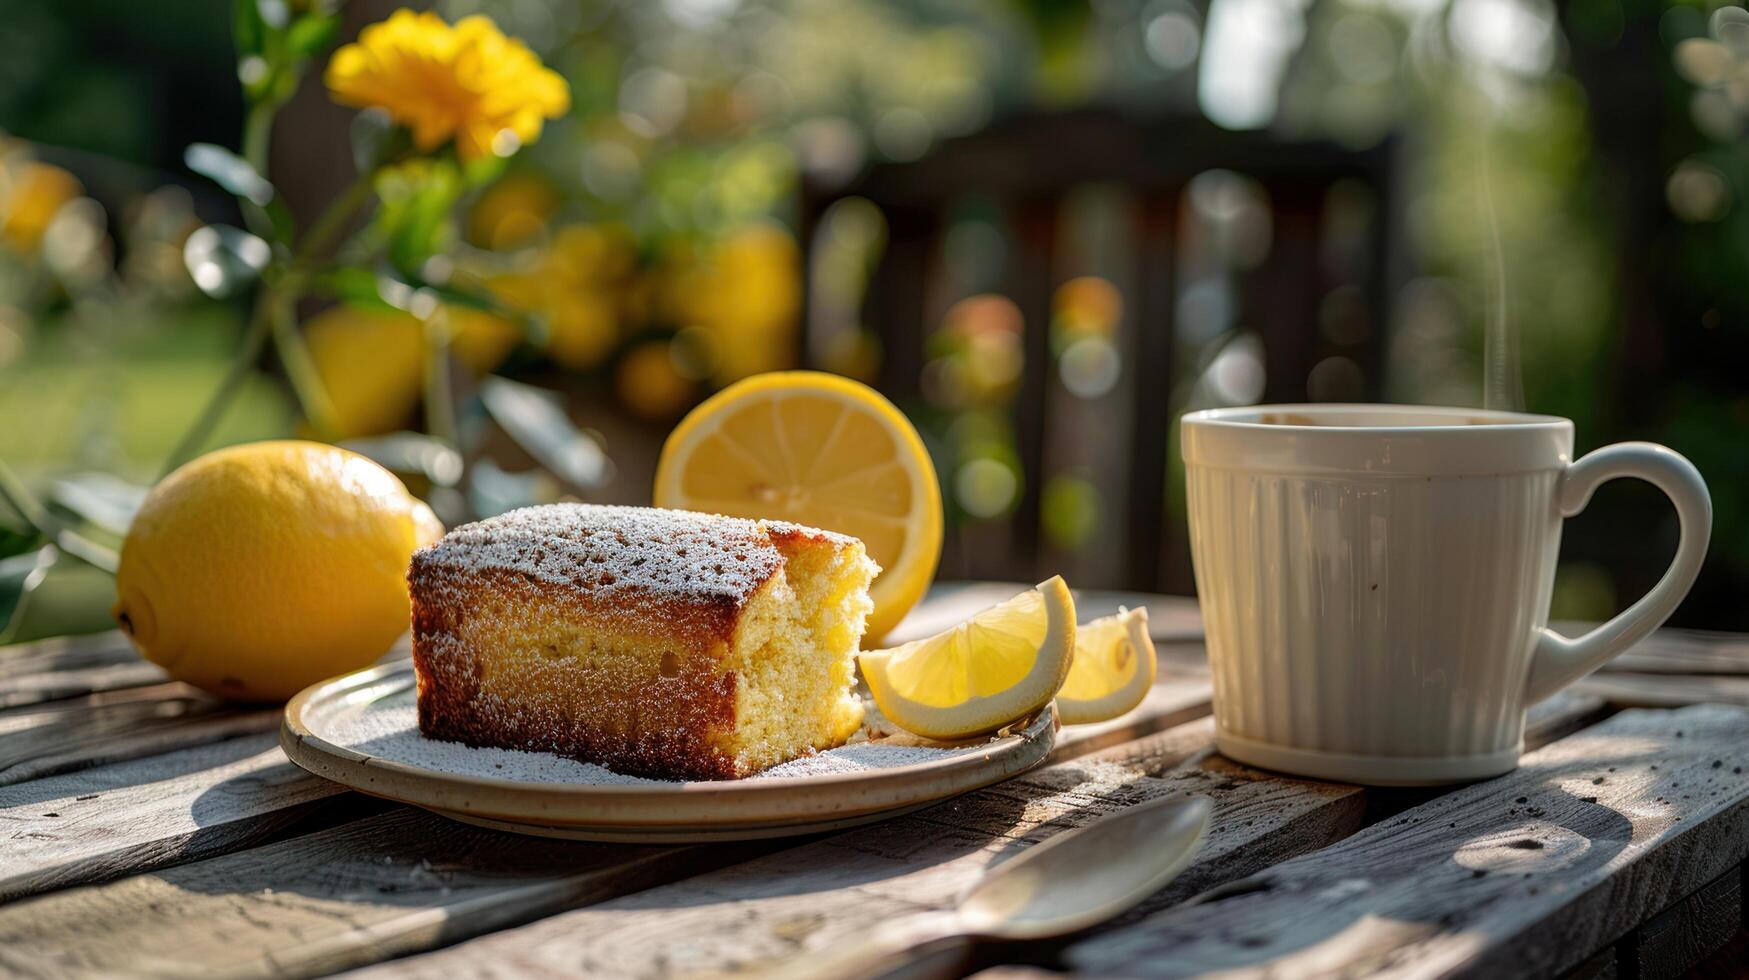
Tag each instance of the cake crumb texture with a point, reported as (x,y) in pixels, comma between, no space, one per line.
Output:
(654,642)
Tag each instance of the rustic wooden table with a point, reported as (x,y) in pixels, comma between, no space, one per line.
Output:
(150,830)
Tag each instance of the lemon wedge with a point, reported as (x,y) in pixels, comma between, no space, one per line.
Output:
(997,667)
(1114,667)
(820,450)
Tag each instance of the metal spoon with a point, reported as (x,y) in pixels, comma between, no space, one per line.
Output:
(1075,880)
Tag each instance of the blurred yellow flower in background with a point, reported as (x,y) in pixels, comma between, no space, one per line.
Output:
(481,340)
(746,294)
(31,194)
(466,82)
(649,382)
(512,212)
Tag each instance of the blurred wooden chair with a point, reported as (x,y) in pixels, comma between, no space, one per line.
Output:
(1030,166)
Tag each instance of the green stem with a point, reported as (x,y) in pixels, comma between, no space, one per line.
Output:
(12,491)
(44,524)
(254,339)
(333,221)
(257,134)
(440,413)
(300,370)
(273,316)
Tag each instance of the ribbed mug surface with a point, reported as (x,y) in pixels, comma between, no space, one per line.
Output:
(1371,601)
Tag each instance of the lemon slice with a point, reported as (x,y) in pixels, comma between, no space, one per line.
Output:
(820,450)
(995,668)
(1114,667)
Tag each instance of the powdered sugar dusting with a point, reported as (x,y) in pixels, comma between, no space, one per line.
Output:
(638,550)
(388,729)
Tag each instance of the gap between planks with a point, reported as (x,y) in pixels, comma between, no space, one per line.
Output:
(116,726)
(133,816)
(751,915)
(393,883)
(1525,875)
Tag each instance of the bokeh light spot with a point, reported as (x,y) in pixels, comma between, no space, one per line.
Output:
(985,488)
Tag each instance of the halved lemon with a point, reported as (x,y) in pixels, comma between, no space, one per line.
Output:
(820,450)
(1114,667)
(993,669)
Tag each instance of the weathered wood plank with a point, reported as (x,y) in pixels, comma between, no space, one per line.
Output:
(115,726)
(493,880)
(393,883)
(1526,874)
(1561,715)
(1684,935)
(54,684)
(1678,651)
(134,816)
(744,916)
(65,653)
(1601,966)
(1631,690)
(400,882)
(1320,812)
(70,667)
(1183,696)
(494,892)
(812,897)
(76,666)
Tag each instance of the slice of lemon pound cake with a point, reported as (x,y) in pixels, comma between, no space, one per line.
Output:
(655,642)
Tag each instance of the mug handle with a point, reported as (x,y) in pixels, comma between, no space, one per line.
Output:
(1556,660)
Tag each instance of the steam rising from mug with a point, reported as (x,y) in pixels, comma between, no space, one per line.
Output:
(1502,381)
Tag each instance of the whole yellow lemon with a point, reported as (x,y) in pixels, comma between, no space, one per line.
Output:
(255,571)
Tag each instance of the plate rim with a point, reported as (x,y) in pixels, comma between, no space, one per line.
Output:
(744,801)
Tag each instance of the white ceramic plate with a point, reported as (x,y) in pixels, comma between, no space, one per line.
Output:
(317,734)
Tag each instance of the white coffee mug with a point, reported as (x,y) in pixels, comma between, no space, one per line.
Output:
(1375,580)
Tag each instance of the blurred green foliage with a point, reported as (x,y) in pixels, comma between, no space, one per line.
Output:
(644,243)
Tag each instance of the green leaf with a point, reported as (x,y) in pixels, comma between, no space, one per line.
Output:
(534,419)
(222,259)
(416,219)
(468,299)
(107,501)
(20,575)
(376,140)
(311,34)
(248,30)
(279,218)
(355,287)
(229,171)
(17,541)
(485,170)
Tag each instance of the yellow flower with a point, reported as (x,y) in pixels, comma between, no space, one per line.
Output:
(30,197)
(466,82)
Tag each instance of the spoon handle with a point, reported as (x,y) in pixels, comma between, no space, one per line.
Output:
(928,944)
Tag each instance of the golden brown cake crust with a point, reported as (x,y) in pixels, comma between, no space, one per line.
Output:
(669,580)
(694,706)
